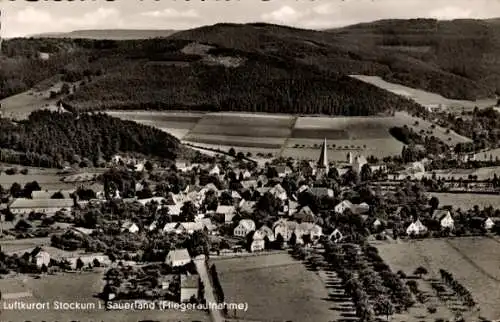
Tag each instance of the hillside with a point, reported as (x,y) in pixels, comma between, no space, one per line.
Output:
(457,58)
(266,68)
(111,34)
(52,138)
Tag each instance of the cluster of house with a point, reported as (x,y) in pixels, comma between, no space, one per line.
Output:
(446,222)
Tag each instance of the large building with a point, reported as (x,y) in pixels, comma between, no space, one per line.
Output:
(44,206)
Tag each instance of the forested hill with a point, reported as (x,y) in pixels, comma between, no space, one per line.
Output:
(53,138)
(268,68)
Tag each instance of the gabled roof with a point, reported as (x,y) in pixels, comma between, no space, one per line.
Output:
(225,209)
(305,215)
(247,206)
(247,224)
(179,254)
(191,225)
(174,210)
(41,203)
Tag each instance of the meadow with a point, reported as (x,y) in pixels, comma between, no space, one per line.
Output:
(79,288)
(466,201)
(276,288)
(474,262)
(423,97)
(289,136)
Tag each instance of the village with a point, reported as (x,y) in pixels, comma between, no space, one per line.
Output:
(156,231)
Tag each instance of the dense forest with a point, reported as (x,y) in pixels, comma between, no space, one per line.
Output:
(53,138)
(262,67)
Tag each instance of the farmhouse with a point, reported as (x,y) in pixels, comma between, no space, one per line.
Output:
(40,257)
(190,285)
(445,219)
(45,206)
(245,226)
(178,257)
(416,228)
(189,227)
(312,230)
(257,242)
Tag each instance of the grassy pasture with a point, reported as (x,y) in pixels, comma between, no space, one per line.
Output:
(236,141)
(276,288)
(467,200)
(472,261)
(424,97)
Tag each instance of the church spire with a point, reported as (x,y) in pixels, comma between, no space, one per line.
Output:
(323,157)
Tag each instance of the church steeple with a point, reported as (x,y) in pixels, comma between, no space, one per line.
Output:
(322,166)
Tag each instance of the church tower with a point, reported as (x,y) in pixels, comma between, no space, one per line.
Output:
(322,166)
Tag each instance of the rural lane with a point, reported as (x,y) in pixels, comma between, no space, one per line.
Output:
(201,267)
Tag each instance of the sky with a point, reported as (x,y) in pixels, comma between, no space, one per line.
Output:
(21,18)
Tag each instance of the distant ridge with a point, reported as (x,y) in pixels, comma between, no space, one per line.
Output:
(111,34)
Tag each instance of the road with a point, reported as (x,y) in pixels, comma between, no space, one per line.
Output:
(201,267)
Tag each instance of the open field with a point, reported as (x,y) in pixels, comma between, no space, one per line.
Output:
(21,105)
(276,288)
(292,136)
(78,288)
(16,245)
(423,97)
(466,201)
(474,262)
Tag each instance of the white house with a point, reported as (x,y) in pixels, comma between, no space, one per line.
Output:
(245,226)
(306,228)
(444,217)
(40,257)
(258,242)
(416,228)
(284,228)
(265,231)
(178,257)
(488,224)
